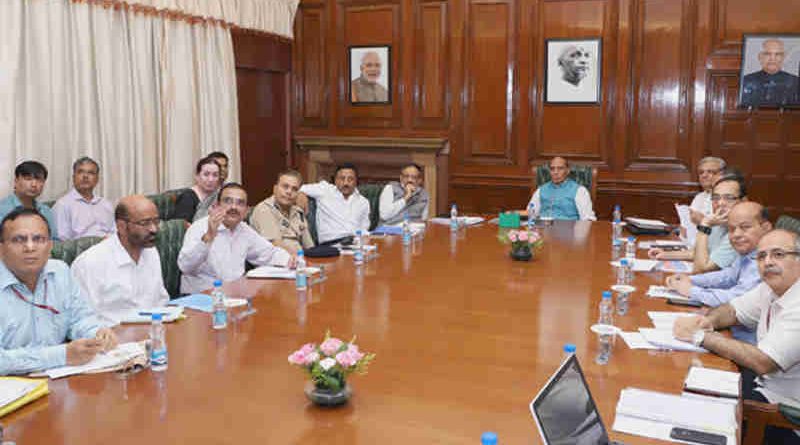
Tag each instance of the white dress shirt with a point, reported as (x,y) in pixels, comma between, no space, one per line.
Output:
(582,201)
(337,216)
(777,323)
(702,203)
(114,283)
(389,208)
(76,217)
(223,258)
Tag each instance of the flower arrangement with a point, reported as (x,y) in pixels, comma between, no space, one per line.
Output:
(523,239)
(330,362)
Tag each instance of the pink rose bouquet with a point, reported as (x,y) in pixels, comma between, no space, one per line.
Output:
(330,362)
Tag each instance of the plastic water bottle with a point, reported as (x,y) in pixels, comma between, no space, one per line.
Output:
(622,271)
(616,223)
(489,438)
(531,216)
(158,343)
(219,315)
(406,230)
(630,248)
(453,217)
(616,249)
(358,249)
(622,303)
(300,276)
(605,339)
(569,350)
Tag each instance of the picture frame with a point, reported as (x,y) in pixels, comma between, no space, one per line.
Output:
(369,75)
(770,71)
(573,71)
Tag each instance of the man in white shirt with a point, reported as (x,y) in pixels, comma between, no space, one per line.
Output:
(406,196)
(341,210)
(708,170)
(123,272)
(80,212)
(217,246)
(773,310)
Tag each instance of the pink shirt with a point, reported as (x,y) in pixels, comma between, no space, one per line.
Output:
(76,217)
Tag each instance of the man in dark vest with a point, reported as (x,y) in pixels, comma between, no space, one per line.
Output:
(771,87)
(397,198)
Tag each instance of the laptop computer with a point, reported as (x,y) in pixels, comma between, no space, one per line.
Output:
(565,412)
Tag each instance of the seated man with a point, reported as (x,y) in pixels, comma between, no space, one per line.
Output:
(205,204)
(747,223)
(80,213)
(708,171)
(773,310)
(279,219)
(406,196)
(42,305)
(123,271)
(217,246)
(341,210)
(712,248)
(29,180)
(562,197)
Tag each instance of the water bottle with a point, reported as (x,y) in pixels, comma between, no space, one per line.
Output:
(531,216)
(604,339)
(300,276)
(616,223)
(489,438)
(622,302)
(358,249)
(569,350)
(630,248)
(158,344)
(453,217)
(406,230)
(219,315)
(622,271)
(616,249)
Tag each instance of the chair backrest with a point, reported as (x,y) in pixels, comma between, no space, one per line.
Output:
(311,219)
(165,202)
(372,192)
(585,175)
(68,250)
(786,222)
(169,242)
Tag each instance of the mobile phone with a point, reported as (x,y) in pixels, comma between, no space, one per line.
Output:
(677,302)
(697,436)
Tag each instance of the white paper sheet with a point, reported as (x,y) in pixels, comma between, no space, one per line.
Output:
(121,355)
(640,265)
(686,222)
(713,381)
(278,272)
(665,340)
(13,389)
(665,292)
(462,220)
(635,340)
(647,222)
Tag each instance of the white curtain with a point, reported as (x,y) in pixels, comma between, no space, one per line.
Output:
(143,95)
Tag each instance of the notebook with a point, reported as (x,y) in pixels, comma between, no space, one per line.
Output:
(564,409)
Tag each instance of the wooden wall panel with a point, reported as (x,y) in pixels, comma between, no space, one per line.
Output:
(311,87)
(733,18)
(431,65)
(489,68)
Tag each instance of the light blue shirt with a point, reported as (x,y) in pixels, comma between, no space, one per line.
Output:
(719,246)
(558,200)
(721,286)
(11,202)
(32,338)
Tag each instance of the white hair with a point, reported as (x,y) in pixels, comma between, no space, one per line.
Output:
(719,161)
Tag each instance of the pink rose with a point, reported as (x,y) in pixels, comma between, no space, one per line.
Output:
(512,236)
(355,353)
(523,236)
(331,346)
(308,348)
(311,358)
(297,358)
(346,359)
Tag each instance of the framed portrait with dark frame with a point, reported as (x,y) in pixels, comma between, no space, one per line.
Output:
(770,74)
(369,69)
(573,71)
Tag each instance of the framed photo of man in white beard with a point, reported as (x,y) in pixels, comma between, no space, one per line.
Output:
(573,71)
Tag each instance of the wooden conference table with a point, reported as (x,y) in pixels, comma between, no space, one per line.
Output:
(464,338)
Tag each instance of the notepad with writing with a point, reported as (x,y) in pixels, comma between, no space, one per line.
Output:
(713,382)
(18,391)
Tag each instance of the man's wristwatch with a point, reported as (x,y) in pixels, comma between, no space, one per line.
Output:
(704,229)
(698,336)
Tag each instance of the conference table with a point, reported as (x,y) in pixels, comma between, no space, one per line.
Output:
(464,336)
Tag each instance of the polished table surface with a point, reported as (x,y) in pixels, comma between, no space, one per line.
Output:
(464,339)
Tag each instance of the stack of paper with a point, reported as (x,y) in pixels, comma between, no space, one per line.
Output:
(665,292)
(664,339)
(661,336)
(685,217)
(648,223)
(17,391)
(640,265)
(653,414)
(278,272)
(169,314)
(713,381)
(113,360)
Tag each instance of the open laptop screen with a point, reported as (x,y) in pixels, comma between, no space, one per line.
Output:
(565,411)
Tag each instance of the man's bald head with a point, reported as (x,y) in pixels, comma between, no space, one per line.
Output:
(772,55)
(559,170)
(748,221)
(137,221)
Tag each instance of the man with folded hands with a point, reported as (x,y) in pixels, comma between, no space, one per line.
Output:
(42,305)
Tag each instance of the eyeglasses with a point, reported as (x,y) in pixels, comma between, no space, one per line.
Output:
(726,198)
(776,254)
(146,222)
(21,240)
(234,201)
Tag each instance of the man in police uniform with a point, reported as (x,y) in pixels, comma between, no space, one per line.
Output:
(279,219)
(366,88)
(771,86)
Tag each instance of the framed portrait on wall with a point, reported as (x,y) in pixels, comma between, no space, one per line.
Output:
(770,71)
(370,74)
(572,71)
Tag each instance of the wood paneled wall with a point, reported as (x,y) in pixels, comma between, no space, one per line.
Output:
(472,71)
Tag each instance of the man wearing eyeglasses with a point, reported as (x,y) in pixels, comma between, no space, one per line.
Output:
(747,223)
(773,310)
(123,272)
(406,196)
(42,305)
(217,246)
(81,212)
(712,248)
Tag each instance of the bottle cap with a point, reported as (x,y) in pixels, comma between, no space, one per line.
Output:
(300,252)
(489,438)
(616,206)
(217,283)
(623,262)
(569,348)
(158,316)
(606,294)
(358,232)
(631,239)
